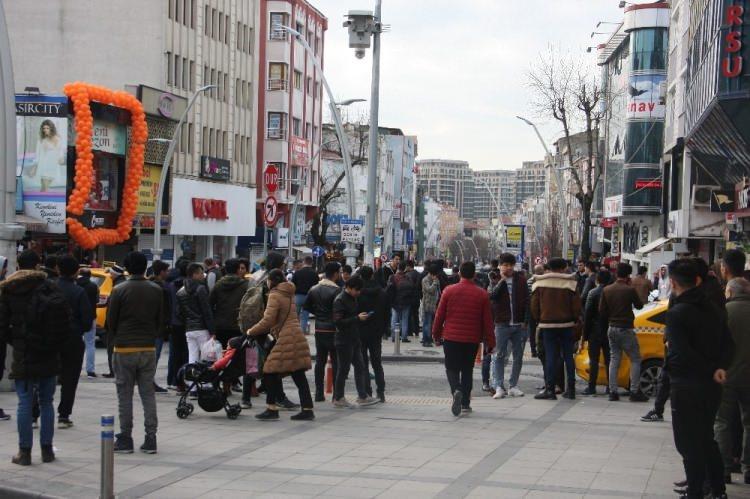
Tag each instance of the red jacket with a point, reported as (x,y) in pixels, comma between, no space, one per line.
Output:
(224,361)
(464,315)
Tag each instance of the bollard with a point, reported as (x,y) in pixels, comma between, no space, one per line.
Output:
(329,375)
(107,471)
(397,343)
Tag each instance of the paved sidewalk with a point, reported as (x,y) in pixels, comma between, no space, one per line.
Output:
(411,446)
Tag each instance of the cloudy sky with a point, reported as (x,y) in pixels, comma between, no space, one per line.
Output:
(454,73)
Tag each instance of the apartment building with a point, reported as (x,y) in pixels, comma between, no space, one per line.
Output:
(450,182)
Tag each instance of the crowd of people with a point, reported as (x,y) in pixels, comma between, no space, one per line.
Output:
(47,315)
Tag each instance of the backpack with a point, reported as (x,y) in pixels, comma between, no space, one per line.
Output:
(252,306)
(47,319)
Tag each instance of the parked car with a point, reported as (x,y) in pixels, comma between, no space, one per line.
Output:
(104,281)
(649,327)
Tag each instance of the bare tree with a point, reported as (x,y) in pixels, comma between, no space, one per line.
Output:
(566,91)
(357,136)
(551,236)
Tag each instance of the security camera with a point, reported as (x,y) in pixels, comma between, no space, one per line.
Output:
(359,53)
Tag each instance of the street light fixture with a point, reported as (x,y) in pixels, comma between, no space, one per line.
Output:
(165,168)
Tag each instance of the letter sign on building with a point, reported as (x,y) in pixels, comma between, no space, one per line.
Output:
(210,209)
(731,64)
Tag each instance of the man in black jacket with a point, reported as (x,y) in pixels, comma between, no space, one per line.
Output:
(319,302)
(136,316)
(699,351)
(34,366)
(348,348)
(194,310)
(89,337)
(304,279)
(595,331)
(401,295)
(384,273)
(72,354)
(373,299)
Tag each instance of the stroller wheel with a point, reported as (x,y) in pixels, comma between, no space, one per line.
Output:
(182,412)
(233,412)
(190,408)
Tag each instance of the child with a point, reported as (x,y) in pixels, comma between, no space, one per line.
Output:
(232,346)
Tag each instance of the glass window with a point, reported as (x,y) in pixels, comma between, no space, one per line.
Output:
(298,80)
(643,142)
(169,68)
(278,19)
(296,126)
(649,48)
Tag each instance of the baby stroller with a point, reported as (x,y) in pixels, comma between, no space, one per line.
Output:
(206,382)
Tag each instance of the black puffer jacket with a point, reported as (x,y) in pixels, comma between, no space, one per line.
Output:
(15,294)
(346,320)
(593,326)
(225,300)
(319,302)
(194,308)
(373,299)
(402,293)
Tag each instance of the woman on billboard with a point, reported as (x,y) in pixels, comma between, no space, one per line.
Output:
(50,157)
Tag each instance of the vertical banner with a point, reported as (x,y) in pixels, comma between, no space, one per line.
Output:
(41,166)
(515,241)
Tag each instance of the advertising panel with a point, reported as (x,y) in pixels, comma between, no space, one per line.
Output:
(104,188)
(646,97)
(300,151)
(352,231)
(41,166)
(148,189)
(515,240)
(215,168)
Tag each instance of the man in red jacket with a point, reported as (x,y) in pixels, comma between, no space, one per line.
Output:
(462,321)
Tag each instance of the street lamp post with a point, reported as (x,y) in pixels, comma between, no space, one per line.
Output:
(165,168)
(501,226)
(560,194)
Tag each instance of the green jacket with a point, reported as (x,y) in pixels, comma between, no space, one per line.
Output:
(225,299)
(738,312)
(135,316)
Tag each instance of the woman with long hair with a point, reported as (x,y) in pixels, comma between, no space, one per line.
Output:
(50,156)
(291,353)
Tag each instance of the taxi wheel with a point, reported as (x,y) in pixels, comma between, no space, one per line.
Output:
(650,371)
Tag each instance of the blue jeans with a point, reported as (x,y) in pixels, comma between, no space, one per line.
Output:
(427,319)
(158,344)
(555,340)
(516,337)
(304,315)
(400,317)
(89,338)
(45,388)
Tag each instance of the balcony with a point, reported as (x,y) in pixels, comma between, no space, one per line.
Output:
(278,84)
(277,33)
(276,134)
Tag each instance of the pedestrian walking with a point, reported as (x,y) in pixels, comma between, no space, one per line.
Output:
(304,279)
(160,274)
(117,276)
(178,350)
(195,311)
(416,280)
(538,270)
(373,301)
(213,272)
(616,308)
(89,337)
(319,302)
(431,290)
(736,390)
(136,315)
(348,348)
(700,349)
(595,331)
(590,283)
(72,354)
(385,272)
(488,361)
(642,285)
(35,320)
(509,299)
(290,355)
(463,320)
(556,307)
(582,275)
(401,295)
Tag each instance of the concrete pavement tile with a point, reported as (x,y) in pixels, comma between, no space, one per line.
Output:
(176,492)
(388,470)
(353,492)
(269,476)
(484,491)
(619,482)
(279,495)
(543,494)
(627,467)
(368,483)
(318,480)
(411,487)
(250,485)
(576,479)
(304,489)
(526,479)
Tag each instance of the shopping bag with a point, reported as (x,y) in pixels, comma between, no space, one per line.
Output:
(255,356)
(211,350)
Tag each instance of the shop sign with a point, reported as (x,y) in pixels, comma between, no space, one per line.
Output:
(41,164)
(514,240)
(160,103)
(646,99)
(722,201)
(352,231)
(742,196)
(209,209)
(106,136)
(731,65)
(300,151)
(613,206)
(281,237)
(149,189)
(615,246)
(214,168)
(648,183)
(608,223)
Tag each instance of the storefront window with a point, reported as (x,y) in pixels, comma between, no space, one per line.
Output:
(643,143)
(649,48)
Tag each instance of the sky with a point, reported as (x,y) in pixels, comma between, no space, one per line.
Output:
(455,73)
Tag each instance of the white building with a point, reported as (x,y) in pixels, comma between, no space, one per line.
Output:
(175,46)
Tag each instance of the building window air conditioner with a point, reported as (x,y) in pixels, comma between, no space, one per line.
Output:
(701,197)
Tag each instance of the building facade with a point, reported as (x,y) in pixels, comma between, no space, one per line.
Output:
(450,182)
(495,193)
(531,180)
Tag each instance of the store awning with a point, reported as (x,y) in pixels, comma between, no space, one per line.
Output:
(302,249)
(652,246)
(32,224)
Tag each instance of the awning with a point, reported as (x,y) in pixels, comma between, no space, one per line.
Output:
(652,246)
(32,224)
(302,249)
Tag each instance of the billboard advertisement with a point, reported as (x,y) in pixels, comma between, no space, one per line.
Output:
(647,97)
(515,240)
(41,165)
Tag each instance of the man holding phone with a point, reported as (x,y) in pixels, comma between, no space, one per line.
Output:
(374,302)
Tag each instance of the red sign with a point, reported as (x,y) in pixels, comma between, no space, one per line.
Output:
(731,65)
(271,178)
(648,184)
(210,209)
(270,211)
(300,151)
(608,223)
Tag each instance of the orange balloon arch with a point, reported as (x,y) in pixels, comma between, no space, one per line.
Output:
(81,94)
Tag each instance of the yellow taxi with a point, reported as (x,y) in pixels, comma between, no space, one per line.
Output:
(103,280)
(649,327)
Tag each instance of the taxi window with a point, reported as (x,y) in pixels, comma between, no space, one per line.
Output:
(660,318)
(97,280)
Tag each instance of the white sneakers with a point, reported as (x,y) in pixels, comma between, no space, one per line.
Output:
(501,393)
